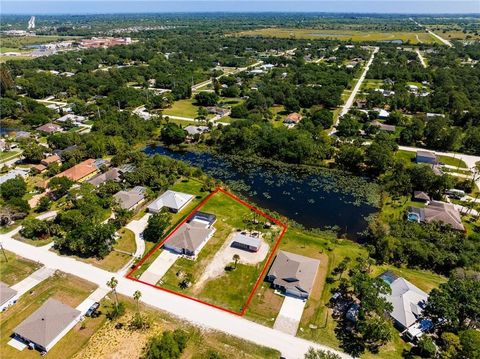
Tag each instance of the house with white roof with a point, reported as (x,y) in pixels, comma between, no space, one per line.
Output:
(172,200)
(407,300)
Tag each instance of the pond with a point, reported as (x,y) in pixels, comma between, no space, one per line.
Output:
(327,199)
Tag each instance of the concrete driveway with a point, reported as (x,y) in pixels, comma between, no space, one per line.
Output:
(32,280)
(289,316)
(159,267)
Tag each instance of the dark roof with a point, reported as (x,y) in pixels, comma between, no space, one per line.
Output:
(421,196)
(113,174)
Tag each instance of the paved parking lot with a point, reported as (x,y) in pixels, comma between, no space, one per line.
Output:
(289,316)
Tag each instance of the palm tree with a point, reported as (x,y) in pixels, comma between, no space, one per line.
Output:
(236,258)
(136,296)
(112,283)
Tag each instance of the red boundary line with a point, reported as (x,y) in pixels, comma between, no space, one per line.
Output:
(201,204)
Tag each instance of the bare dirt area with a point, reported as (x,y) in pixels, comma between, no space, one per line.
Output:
(224,257)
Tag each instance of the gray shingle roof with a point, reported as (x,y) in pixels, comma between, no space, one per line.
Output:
(6,293)
(170,199)
(294,271)
(47,322)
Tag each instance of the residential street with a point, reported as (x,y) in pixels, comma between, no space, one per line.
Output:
(348,104)
(291,347)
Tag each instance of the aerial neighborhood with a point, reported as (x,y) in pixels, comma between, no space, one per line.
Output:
(258,185)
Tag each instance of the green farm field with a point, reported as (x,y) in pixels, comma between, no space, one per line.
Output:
(346,35)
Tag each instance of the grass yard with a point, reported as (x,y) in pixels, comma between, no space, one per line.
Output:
(183,108)
(69,290)
(127,241)
(128,343)
(346,35)
(16,269)
(231,215)
(451,161)
(8,155)
(407,156)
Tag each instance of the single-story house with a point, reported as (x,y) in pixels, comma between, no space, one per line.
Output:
(47,325)
(437,211)
(383,126)
(426,157)
(421,196)
(22,134)
(113,174)
(382,114)
(293,274)
(50,160)
(412,88)
(130,199)
(191,237)
(8,296)
(430,115)
(218,111)
(14,174)
(293,118)
(80,172)
(407,301)
(194,130)
(38,168)
(71,117)
(246,242)
(173,200)
(49,128)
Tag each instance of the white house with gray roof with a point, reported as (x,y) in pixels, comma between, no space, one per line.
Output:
(8,296)
(172,200)
(408,302)
(47,325)
(293,274)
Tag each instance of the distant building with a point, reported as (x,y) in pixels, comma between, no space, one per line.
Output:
(172,200)
(293,274)
(196,130)
(430,115)
(96,42)
(51,160)
(71,117)
(47,325)
(113,174)
(49,128)
(383,126)
(437,211)
(80,172)
(293,119)
(426,157)
(129,200)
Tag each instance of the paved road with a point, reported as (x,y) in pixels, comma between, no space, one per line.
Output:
(469,160)
(291,347)
(346,107)
(446,42)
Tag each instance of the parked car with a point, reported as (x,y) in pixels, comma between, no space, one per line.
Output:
(91,311)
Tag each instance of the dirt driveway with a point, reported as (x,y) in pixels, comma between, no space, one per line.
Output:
(225,256)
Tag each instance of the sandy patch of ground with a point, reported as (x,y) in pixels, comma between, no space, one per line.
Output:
(225,256)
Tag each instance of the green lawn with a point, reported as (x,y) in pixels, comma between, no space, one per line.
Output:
(7,155)
(230,216)
(127,241)
(14,268)
(69,290)
(451,161)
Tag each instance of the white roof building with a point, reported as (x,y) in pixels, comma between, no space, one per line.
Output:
(173,200)
(70,117)
(408,302)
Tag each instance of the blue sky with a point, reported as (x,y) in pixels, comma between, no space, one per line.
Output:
(38,7)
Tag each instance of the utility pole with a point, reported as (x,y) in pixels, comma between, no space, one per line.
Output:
(3,251)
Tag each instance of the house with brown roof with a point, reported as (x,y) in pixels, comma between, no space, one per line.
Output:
(191,237)
(47,325)
(38,168)
(293,119)
(293,274)
(49,128)
(51,160)
(80,172)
